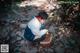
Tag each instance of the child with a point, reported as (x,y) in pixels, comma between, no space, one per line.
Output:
(35,29)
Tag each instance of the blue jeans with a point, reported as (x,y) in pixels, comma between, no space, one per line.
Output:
(28,35)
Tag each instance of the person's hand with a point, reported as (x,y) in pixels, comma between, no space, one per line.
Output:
(47,33)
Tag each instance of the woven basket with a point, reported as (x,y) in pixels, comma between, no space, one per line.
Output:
(47,42)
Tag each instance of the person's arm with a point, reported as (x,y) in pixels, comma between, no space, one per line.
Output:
(39,33)
(43,32)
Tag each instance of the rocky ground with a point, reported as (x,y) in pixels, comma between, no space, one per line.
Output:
(16,23)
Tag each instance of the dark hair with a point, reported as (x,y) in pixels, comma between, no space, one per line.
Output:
(43,14)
